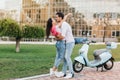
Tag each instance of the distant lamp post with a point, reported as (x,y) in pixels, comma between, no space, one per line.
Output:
(105,24)
(104,33)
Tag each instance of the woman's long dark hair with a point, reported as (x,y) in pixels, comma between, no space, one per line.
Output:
(48,27)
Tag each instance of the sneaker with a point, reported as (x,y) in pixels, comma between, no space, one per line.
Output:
(68,76)
(59,74)
(51,71)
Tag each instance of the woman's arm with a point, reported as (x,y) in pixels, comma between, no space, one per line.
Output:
(59,37)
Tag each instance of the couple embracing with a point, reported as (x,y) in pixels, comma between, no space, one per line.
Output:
(64,44)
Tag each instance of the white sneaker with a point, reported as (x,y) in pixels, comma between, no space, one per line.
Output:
(51,71)
(59,74)
(68,76)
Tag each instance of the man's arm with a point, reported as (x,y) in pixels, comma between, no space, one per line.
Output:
(66,16)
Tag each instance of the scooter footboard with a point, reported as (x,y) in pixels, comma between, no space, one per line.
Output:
(80,59)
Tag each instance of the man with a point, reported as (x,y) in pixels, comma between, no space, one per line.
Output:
(60,44)
(67,36)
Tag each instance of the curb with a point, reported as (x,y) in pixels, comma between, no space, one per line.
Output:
(52,43)
(32,77)
(13,42)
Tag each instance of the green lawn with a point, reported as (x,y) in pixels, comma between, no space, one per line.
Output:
(34,59)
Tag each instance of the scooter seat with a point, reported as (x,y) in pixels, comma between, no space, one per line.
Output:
(98,52)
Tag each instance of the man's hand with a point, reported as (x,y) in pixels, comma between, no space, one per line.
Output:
(69,14)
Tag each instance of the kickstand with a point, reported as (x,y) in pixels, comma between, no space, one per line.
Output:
(97,68)
(102,69)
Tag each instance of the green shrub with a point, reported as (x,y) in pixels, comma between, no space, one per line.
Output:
(3,27)
(33,32)
(4,38)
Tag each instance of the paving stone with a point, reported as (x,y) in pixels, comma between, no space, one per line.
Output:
(90,74)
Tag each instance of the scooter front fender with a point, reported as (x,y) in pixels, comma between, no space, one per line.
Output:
(80,59)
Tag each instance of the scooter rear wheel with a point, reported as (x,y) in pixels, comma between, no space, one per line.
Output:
(77,66)
(109,64)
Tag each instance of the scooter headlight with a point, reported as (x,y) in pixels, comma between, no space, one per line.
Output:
(111,45)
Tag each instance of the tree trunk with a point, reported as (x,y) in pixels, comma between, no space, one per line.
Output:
(17,45)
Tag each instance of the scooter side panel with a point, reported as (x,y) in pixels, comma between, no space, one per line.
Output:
(80,59)
(105,56)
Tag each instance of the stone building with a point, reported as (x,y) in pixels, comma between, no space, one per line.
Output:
(37,12)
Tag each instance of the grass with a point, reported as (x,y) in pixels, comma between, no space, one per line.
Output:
(35,59)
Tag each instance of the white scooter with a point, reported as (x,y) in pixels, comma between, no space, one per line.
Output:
(102,57)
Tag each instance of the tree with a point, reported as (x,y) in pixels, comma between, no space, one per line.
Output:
(11,28)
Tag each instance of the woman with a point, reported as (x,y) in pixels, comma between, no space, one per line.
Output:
(51,28)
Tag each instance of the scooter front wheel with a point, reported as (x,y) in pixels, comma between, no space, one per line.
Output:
(77,66)
(109,64)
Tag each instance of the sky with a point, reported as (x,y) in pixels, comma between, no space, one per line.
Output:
(13,4)
(2,4)
(81,4)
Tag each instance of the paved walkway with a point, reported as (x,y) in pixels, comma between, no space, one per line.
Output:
(86,74)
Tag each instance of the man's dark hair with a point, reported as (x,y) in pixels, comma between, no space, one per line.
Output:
(60,14)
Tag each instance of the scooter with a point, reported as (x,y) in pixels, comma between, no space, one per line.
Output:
(102,57)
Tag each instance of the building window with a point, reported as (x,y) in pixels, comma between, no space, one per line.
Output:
(57,0)
(29,13)
(117,33)
(113,33)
